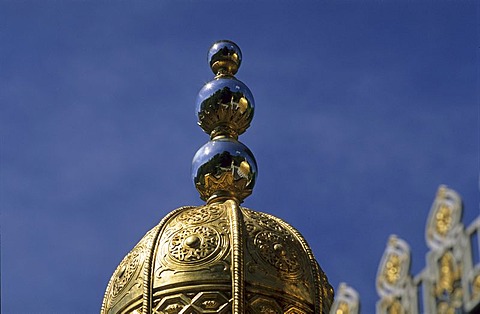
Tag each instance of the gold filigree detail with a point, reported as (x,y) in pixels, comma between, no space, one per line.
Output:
(393,275)
(448,289)
(264,221)
(193,245)
(443,220)
(447,275)
(294,310)
(279,251)
(201,215)
(210,304)
(173,308)
(191,302)
(238,256)
(392,269)
(126,270)
(395,308)
(265,305)
(194,240)
(326,292)
(124,274)
(221,114)
(226,182)
(274,244)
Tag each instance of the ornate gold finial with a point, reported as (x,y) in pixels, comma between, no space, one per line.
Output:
(220,257)
(224,168)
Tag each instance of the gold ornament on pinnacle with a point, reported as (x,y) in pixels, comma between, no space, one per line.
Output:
(224,168)
(220,257)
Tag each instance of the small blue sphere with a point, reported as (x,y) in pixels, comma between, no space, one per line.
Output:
(224,57)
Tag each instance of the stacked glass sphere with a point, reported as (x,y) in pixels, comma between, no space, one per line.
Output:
(224,168)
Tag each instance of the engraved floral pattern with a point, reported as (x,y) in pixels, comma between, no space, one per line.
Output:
(196,302)
(197,236)
(264,221)
(125,270)
(193,245)
(273,244)
(202,214)
(279,251)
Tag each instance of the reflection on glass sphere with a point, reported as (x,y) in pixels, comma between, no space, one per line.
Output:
(224,167)
(224,57)
(225,102)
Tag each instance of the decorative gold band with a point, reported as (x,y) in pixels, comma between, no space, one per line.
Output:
(238,273)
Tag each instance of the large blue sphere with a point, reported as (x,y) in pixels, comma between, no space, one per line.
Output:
(224,165)
(225,101)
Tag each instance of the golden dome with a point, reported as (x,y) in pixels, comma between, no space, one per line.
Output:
(203,259)
(220,257)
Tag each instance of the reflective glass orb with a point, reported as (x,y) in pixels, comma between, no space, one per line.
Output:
(224,167)
(226,105)
(224,57)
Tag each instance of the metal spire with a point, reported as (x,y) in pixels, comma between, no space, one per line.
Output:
(224,168)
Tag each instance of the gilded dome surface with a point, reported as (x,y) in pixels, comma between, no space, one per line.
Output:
(186,264)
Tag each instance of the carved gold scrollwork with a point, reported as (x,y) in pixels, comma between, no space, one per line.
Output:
(126,272)
(224,182)
(265,305)
(394,269)
(447,275)
(193,245)
(196,237)
(444,220)
(202,302)
(201,215)
(279,251)
(274,245)
(448,289)
(263,221)
(173,308)
(294,310)
(210,304)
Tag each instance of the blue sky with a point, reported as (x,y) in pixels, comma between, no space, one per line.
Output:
(362,110)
